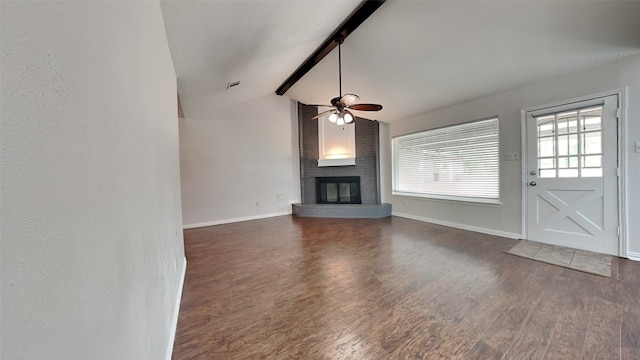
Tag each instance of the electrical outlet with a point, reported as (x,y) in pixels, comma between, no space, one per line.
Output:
(281,196)
(257,203)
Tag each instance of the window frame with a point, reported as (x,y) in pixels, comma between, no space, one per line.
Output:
(446,197)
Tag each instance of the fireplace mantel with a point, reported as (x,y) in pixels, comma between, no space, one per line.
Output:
(336,162)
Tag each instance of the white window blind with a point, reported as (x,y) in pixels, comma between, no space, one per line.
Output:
(459,162)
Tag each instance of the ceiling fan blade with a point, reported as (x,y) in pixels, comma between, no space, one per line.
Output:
(366,107)
(323,114)
(320,105)
(348,99)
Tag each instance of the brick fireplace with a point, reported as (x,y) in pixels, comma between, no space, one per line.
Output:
(365,168)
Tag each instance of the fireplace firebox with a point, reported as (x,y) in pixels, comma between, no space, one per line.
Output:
(338,190)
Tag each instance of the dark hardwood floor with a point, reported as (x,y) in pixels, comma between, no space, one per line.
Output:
(309,288)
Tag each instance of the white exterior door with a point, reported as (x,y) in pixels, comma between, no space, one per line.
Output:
(572,185)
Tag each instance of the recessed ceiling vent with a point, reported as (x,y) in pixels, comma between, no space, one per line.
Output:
(232,84)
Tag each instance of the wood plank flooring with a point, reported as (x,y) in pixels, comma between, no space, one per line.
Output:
(310,288)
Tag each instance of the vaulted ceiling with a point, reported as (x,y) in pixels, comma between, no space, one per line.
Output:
(410,56)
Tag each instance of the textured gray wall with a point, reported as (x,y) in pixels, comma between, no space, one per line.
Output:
(91,232)
(366,157)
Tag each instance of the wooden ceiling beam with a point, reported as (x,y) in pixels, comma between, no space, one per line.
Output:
(357,17)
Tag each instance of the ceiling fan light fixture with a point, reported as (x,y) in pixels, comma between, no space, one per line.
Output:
(340,120)
(333,117)
(348,117)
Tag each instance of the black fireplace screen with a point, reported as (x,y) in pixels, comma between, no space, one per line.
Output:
(338,190)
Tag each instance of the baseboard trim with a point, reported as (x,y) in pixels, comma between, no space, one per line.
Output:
(233,220)
(460,226)
(635,256)
(176,311)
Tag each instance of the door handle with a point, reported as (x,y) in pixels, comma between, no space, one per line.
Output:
(533,183)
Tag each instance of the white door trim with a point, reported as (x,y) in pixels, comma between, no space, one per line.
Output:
(622,160)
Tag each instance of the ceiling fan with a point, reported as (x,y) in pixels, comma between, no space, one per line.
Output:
(340,106)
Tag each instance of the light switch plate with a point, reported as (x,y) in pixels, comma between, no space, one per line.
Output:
(638,146)
(512,157)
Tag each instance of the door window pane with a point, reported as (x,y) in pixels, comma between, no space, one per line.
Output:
(592,172)
(548,173)
(549,163)
(591,119)
(592,142)
(563,145)
(592,161)
(567,122)
(570,143)
(546,146)
(545,126)
(568,162)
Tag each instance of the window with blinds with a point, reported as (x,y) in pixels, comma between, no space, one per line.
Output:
(459,162)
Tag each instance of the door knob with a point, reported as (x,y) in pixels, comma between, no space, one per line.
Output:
(533,183)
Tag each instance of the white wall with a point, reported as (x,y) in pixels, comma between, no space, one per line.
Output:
(506,219)
(92,251)
(244,155)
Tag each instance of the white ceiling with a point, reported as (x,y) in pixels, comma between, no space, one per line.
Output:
(410,56)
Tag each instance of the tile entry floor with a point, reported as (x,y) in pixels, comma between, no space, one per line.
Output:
(590,262)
